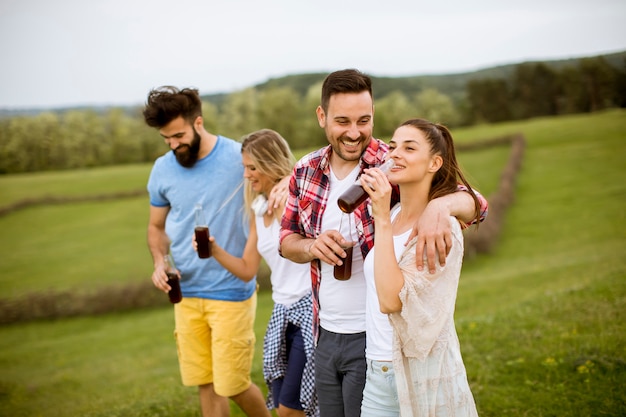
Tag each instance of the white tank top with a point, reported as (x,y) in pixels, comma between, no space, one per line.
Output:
(379,332)
(290,281)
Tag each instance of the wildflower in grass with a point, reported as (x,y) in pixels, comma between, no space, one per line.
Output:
(550,362)
(585,368)
(472,325)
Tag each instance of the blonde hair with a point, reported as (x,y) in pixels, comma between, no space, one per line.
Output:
(271,156)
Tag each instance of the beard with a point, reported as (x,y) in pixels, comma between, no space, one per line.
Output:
(337,148)
(187,155)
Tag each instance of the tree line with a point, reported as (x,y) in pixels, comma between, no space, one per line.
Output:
(539,90)
(81,138)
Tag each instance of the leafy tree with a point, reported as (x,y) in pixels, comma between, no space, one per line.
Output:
(85,138)
(278,109)
(210,116)
(310,134)
(573,97)
(432,105)
(535,90)
(489,100)
(598,78)
(14,139)
(390,111)
(118,129)
(591,85)
(240,113)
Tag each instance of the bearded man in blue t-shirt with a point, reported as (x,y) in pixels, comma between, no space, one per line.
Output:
(214,322)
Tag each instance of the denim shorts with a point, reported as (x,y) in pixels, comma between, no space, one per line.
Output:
(380,396)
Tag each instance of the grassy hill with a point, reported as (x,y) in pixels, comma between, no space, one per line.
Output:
(541,319)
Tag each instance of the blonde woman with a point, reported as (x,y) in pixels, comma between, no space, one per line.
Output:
(288,342)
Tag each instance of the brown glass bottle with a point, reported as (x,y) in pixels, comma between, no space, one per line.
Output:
(175,294)
(356,195)
(201,231)
(202,239)
(343,272)
(352,198)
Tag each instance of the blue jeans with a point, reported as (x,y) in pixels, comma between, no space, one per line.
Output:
(380,396)
(340,373)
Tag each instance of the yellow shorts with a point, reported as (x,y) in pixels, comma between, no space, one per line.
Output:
(215,341)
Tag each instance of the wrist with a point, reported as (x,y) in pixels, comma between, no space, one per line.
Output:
(307,248)
(382,222)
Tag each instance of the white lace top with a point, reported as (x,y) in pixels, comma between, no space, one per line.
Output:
(430,374)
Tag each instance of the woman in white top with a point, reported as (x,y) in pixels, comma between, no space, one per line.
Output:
(414,358)
(288,343)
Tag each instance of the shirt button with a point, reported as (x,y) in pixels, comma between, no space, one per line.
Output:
(385,369)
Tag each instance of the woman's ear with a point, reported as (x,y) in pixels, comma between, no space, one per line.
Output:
(435,163)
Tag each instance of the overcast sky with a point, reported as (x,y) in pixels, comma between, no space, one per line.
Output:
(112,52)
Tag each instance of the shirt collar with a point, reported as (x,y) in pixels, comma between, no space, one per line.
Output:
(324,164)
(373,154)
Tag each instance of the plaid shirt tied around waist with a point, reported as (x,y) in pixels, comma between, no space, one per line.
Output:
(275,351)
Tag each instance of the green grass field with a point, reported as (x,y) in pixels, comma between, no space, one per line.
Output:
(541,319)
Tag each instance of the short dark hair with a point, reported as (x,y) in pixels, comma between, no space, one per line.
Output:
(166,103)
(345,81)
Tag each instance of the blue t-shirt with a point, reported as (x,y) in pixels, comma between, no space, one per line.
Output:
(216,182)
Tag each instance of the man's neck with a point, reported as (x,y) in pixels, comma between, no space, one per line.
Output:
(207,143)
(342,168)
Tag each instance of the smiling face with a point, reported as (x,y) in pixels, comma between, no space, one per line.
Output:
(348,124)
(413,158)
(259,182)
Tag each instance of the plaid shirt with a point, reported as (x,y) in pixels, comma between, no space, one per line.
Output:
(308,197)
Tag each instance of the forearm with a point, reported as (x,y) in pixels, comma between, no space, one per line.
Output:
(297,248)
(158,244)
(459,204)
(387,273)
(243,268)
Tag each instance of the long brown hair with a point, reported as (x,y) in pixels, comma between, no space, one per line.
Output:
(448,177)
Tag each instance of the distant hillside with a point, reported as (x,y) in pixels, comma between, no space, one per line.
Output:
(452,85)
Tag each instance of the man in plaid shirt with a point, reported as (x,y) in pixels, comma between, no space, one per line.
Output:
(314,229)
